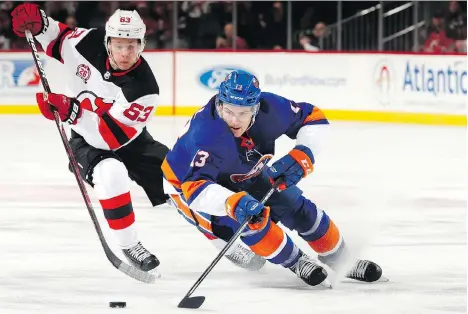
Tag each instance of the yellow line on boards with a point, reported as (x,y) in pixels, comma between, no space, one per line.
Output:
(332,114)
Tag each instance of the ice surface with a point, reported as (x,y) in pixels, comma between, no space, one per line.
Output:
(397,192)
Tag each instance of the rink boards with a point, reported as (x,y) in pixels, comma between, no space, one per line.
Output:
(404,88)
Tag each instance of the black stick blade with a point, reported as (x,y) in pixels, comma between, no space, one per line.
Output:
(191,302)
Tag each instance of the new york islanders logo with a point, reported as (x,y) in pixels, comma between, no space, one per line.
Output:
(255,171)
(84,72)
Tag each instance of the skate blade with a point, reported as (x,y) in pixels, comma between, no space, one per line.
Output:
(383,279)
(326,284)
(155,273)
(351,280)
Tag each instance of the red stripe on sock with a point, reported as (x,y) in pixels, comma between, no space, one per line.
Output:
(116,202)
(122,223)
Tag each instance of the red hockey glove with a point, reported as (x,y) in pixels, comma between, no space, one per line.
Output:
(69,109)
(29,16)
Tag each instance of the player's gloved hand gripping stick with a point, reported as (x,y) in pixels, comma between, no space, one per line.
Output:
(116,262)
(195,302)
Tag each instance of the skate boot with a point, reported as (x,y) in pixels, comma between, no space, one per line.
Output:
(141,257)
(309,271)
(341,260)
(366,271)
(243,257)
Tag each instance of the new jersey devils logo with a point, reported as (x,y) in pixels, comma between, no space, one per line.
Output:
(91,102)
(84,72)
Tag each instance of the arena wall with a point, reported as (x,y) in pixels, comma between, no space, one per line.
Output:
(401,88)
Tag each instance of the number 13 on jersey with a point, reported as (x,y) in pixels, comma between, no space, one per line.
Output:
(200,159)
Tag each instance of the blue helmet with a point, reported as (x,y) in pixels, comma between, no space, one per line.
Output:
(239,88)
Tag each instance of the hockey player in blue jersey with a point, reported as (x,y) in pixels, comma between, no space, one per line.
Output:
(217,171)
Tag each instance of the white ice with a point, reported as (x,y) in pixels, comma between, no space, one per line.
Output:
(396,191)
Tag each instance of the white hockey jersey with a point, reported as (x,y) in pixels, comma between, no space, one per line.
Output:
(116,105)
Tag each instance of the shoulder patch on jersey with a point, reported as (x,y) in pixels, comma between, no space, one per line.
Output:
(294,107)
(84,72)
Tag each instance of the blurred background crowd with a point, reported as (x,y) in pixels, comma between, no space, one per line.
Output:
(420,26)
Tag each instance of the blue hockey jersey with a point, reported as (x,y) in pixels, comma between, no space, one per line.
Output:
(208,164)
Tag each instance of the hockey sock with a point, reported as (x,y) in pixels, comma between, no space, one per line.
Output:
(112,186)
(323,237)
(273,244)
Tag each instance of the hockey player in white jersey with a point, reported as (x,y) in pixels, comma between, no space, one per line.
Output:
(112,94)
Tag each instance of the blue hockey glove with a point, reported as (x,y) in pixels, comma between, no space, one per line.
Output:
(297,164)
(241,205)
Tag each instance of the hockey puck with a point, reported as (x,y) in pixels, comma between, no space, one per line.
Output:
(117,304)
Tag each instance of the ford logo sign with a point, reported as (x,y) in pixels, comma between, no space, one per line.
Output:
(213,78)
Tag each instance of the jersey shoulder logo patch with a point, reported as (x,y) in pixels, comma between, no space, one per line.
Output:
(84,72)
(294,107)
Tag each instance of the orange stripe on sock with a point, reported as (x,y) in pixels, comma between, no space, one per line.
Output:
(329,240)
(270,242)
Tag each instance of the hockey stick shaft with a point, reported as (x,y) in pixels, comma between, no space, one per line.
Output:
(228,245)
(116,262)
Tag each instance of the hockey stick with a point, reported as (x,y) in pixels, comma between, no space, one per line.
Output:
(189,302)
(115,261)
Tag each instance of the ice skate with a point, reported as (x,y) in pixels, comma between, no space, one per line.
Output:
(309,271)
(141,257)
(366,271)
(342,264)
(243,257)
